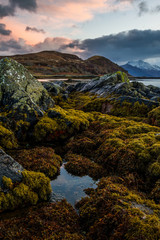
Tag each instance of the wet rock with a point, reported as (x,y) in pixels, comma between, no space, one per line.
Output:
(56,88)
(9,168)
(20,92)
(52,88)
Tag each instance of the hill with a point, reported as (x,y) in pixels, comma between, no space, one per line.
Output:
(56,63)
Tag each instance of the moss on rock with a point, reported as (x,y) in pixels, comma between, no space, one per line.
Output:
(7,138)
(33,188)
(60,123)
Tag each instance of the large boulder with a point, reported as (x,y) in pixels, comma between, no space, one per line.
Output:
(9,168)
(21,92)
(119,84)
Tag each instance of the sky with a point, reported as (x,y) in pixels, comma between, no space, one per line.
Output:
(121,30)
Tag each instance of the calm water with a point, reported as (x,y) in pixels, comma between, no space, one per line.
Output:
(70,187)
(155,82)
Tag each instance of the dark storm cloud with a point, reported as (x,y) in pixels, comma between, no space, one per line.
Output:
(6,11)
(11,44)
(143,8)
(124,46)
(33,29)
(3,30)
(15,46)
(121,47)
(9,10)
(29,5)
(156,9)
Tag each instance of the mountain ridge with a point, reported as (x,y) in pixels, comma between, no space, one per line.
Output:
(142,69)
(57,63)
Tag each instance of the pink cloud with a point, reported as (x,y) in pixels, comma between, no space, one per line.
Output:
(80,10)
(57,44)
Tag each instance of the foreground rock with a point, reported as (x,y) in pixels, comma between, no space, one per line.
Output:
(19,187)
(9,168)
(20,92)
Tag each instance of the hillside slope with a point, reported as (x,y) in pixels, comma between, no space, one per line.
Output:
(56,63)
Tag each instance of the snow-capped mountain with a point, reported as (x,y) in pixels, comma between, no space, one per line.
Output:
(142,69)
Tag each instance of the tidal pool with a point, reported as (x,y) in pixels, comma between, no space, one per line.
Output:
(70,187)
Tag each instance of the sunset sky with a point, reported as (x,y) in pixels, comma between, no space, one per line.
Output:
(120,30)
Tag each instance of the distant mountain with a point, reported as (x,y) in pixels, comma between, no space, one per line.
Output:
(56,63)
(142,69)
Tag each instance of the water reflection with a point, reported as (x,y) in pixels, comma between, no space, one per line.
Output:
(70,187)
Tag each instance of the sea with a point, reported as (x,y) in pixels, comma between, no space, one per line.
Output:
(154,82)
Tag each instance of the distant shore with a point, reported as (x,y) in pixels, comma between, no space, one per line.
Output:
(65,76)
(134,78)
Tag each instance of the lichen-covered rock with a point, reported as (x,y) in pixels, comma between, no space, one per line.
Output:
(20,92)
(9,168)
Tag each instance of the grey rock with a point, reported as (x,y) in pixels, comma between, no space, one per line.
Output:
(52,88)
(118,84)
(56,88)
(9,168)
(156,98)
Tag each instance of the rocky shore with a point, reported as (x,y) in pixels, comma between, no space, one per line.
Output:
(107,128)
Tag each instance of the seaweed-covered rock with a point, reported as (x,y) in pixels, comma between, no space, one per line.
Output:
(114,212)
(34,187)
(154,116)
(57,221)
(19,187)
(61,123)
(39,159)
(121,106)
(9,168)
(20,92)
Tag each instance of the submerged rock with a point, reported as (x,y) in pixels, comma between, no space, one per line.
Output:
(9,168)
(20,92)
